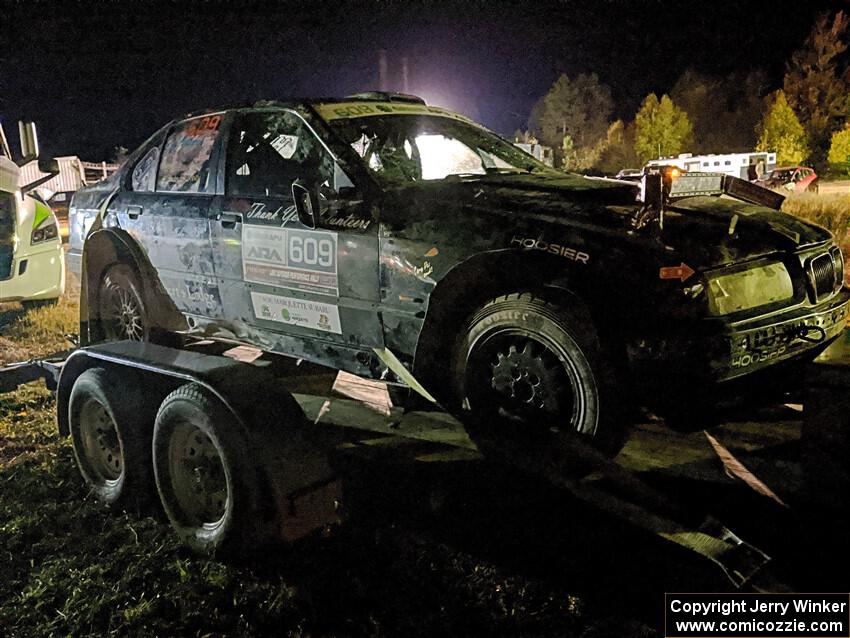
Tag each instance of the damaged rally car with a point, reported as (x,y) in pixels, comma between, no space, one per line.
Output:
(400,241)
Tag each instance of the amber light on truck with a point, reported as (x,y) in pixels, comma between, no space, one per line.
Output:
(747,289)
(45,231)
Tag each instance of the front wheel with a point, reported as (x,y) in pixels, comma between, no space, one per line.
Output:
(524,359)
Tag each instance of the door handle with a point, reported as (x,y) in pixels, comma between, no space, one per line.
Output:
(229,220)
(133,212)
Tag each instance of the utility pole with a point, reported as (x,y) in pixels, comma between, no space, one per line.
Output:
(382,70)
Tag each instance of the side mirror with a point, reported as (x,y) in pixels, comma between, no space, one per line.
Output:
(306,203)
(29,141)
(47,165)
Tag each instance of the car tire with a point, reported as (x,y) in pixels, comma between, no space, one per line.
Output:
(111,435)
(541,365)
(206,481)
(121,306)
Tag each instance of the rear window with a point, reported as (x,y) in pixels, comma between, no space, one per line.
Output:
(186,165)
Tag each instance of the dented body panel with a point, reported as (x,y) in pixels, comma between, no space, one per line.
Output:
(401,265)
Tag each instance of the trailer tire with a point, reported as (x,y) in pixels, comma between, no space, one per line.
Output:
(208,486)
(111,438)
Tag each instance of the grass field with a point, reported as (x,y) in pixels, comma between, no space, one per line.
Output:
(831,211)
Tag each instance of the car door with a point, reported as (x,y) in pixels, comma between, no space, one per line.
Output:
(285,284)
(167,205)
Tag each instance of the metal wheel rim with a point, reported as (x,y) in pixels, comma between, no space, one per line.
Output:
(565,406)
(123,314)
(198,479)
(101,444)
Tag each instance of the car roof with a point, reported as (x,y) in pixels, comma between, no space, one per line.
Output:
(291,102)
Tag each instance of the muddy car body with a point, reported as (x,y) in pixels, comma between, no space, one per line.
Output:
(400,241)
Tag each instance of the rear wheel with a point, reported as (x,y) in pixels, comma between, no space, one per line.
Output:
(121,306)
(110,430)
(207,485)
(526,360)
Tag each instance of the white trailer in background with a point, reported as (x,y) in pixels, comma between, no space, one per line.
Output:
(748,166)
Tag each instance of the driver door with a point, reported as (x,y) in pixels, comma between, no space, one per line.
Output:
(286,285)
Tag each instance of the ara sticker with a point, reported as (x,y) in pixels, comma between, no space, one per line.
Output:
(302,260)
(297,312)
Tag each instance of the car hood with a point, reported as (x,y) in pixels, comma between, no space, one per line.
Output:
(699,229)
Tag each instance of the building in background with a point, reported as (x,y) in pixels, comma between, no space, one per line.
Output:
(73,175)
(541,153)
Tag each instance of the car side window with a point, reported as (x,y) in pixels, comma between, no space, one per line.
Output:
(268,151)
(185,165)
(144,172)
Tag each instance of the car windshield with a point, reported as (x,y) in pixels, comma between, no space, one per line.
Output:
(783,174)
(411,148)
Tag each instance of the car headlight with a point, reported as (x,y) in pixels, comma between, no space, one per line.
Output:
(45,231)
(750,288)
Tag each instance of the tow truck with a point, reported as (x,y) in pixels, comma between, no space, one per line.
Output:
(32,266)
(220,435)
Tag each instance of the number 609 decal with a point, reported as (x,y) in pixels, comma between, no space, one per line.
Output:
(311,251)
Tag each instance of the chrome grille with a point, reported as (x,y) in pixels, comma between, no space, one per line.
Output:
(823,275)
(838,261)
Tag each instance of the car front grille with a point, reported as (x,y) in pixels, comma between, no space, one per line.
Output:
(826,275)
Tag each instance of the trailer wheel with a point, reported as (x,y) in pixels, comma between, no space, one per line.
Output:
(110,432)
(206,483)
(121,306)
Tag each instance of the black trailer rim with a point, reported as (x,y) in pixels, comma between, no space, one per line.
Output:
(198,478)
(100,441)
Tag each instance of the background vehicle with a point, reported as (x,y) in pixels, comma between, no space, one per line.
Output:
(629,174)
(32,268)
(748,166)
(59,203)
(791,179)
(394,240)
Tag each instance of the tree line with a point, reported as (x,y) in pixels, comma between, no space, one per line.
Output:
(806,120)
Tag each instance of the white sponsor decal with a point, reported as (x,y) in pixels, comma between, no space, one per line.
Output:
(289,258)
(297,312)
(285,145)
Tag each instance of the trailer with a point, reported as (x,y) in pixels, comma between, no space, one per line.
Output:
(748,166)
(240,461)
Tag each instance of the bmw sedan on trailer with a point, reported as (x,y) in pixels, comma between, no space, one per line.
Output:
(396,240)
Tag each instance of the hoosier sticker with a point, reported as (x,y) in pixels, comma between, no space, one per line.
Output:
(288,258)
(296,312)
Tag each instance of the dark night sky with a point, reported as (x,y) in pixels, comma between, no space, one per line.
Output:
(95,76)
